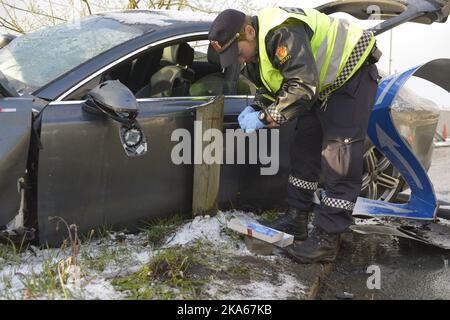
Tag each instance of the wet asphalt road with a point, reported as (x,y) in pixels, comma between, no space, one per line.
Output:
(408,269)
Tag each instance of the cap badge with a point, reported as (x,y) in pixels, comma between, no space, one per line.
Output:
(216,45)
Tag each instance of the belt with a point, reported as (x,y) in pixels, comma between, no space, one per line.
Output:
(356,54)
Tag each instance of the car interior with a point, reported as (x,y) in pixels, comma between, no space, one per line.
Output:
(174,71)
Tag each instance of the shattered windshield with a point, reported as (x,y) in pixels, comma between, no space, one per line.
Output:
(35,59)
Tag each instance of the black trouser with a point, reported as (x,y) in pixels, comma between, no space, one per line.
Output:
(330,140)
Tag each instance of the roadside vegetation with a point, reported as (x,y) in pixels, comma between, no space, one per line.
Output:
(174,258)
(24,16)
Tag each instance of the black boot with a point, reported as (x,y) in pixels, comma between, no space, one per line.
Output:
(320,247)
(294,222)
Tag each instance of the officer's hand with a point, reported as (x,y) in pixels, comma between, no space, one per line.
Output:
(250,122)
(247,110)
(272,124)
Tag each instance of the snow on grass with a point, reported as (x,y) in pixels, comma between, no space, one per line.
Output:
(209,228)
(33,274)
(27,269)
(202,227)
(287,287)
(95,288)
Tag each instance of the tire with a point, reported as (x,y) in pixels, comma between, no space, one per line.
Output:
(381,180)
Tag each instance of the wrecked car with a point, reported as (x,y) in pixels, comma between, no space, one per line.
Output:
(61,154)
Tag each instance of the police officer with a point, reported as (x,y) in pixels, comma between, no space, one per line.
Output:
(320,71)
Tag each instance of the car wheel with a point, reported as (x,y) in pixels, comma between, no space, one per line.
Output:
(381,180)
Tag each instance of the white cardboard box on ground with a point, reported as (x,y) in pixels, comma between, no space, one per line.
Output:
(287,240)
(261,232)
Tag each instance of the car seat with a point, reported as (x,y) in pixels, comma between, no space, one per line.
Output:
(173,79)
(142,70)
(213,84)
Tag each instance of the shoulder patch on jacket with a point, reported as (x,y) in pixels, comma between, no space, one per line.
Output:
(282,54)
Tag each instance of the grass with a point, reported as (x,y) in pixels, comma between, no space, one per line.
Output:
(10,251)
(234,236)
(7,287)
(270,216)
(158,229)
(170,274)
(170,265)
(45,283)
(239,271)
(49,279)
(185,272)
(95,260)
(53,270)
(10,256)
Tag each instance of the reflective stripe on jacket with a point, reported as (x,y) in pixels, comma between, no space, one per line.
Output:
(332,44)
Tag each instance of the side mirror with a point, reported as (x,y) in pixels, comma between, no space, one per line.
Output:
(117,102)
(114,100)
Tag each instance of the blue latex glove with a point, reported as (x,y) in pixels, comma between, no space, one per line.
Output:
(250,122)
(244,112)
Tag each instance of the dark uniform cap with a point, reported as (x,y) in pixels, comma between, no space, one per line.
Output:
(224,33)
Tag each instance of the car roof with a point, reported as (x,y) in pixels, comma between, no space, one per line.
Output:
(158,19)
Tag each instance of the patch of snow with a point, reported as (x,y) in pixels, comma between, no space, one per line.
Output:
(96,288)
(370,221)
(161,18)
(444,222)
(207,228)
(287,287)
(143,257)
(14,274)
(201,228)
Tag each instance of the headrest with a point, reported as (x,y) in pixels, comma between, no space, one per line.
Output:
(181,54)
(213,56)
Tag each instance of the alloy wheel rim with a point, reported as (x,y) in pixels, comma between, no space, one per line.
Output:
(381,180)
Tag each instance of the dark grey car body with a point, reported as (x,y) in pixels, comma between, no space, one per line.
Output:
(72,164)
